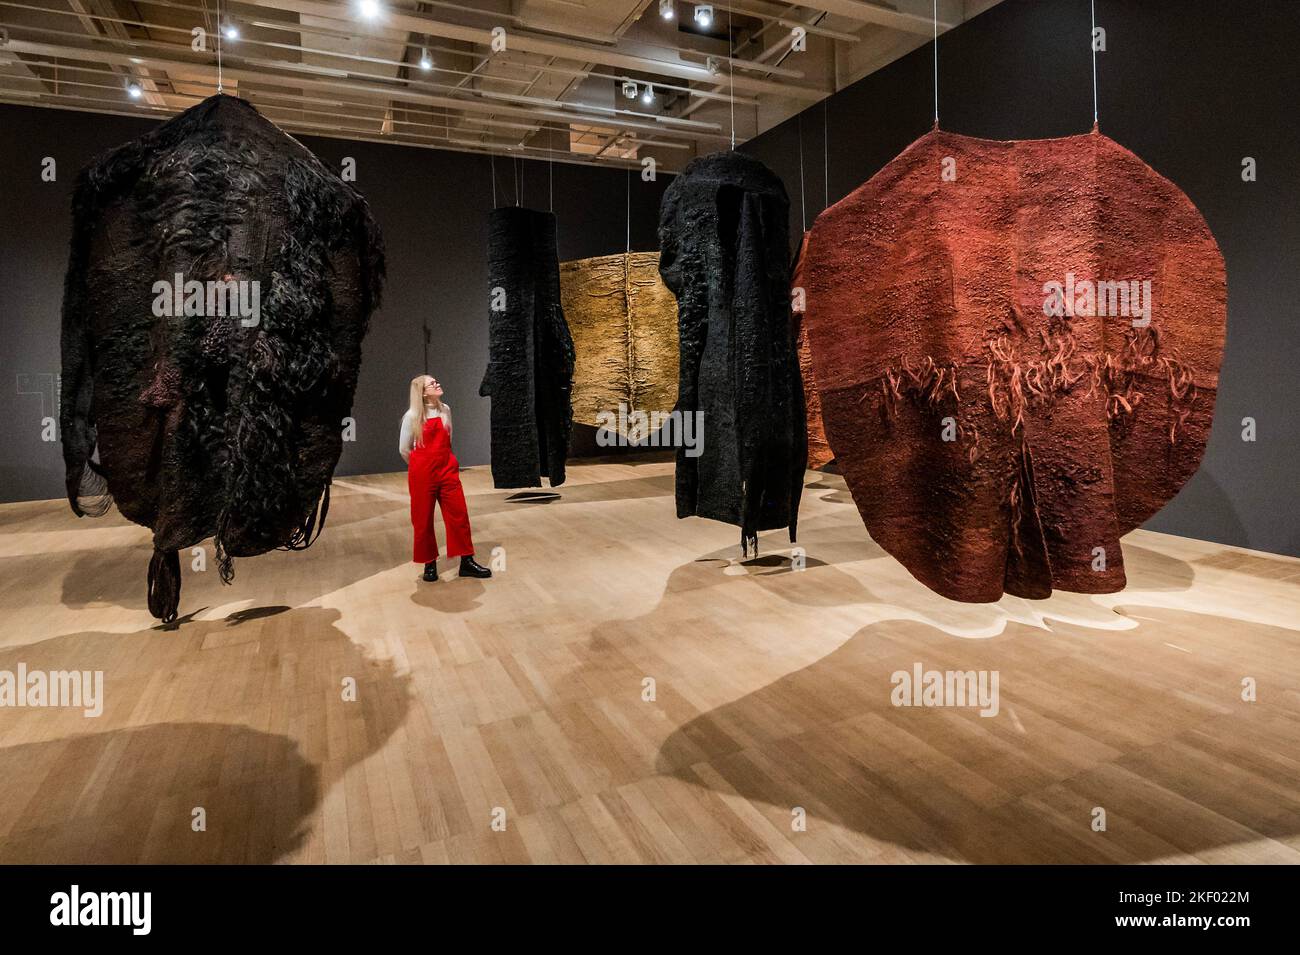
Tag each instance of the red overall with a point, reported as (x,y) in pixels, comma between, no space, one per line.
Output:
(432,479)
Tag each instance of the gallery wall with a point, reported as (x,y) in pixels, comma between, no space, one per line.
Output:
(432,207)
(1190,86)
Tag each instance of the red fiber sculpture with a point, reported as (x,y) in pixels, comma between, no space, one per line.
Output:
(819,450)
(1017,349)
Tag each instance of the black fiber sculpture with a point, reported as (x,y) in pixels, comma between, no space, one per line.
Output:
(725,253)
(219,285)
(530,352)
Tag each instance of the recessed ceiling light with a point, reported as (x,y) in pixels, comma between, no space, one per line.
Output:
(704,14)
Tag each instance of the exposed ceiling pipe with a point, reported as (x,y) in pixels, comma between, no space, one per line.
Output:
(786,20)
(565,49)
(290,101)
(244,42)
(606,115)
(384,86)
(24,98)
(865,12)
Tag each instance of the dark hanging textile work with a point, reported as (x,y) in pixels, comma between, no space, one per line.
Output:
(530,353)
(214,409)
(725,253)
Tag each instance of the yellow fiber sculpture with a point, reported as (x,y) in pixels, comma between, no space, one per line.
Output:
(623,321)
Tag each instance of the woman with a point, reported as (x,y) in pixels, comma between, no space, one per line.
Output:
(432,478)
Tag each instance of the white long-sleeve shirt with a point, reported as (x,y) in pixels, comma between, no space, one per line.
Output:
(406,439)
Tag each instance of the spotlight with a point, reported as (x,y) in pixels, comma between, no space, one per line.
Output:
(426,61)
(230,31)
(370,9)
(666,9)
(704,14)
(648,96)
(134,90)
(629,89)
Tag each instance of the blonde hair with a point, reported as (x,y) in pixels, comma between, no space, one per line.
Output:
(417,406)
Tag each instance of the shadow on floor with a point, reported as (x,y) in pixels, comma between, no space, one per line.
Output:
(245,717)
(132,795)
(1081,725)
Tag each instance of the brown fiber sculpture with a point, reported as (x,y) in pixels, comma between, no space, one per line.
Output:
(1017,349)
(623,321)
(819,449)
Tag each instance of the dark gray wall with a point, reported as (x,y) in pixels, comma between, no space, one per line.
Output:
(432,207)
(1191,86)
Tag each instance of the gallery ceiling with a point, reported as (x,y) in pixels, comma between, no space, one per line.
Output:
(555,84)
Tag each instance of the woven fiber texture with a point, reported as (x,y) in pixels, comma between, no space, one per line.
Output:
(1017,348)
(624,325)
(725,254)
(530,353)
(205,424)
(819,449)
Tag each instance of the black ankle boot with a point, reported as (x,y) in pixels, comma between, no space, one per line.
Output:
(431,570)
(469,567)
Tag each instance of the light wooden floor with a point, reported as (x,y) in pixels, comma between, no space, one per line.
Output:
(525,693)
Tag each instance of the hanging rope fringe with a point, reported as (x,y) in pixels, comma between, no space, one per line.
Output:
(1013,382)
(225,563)
(302,538)
(306,534)
(1017,503)
(929,384)
(164,584)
